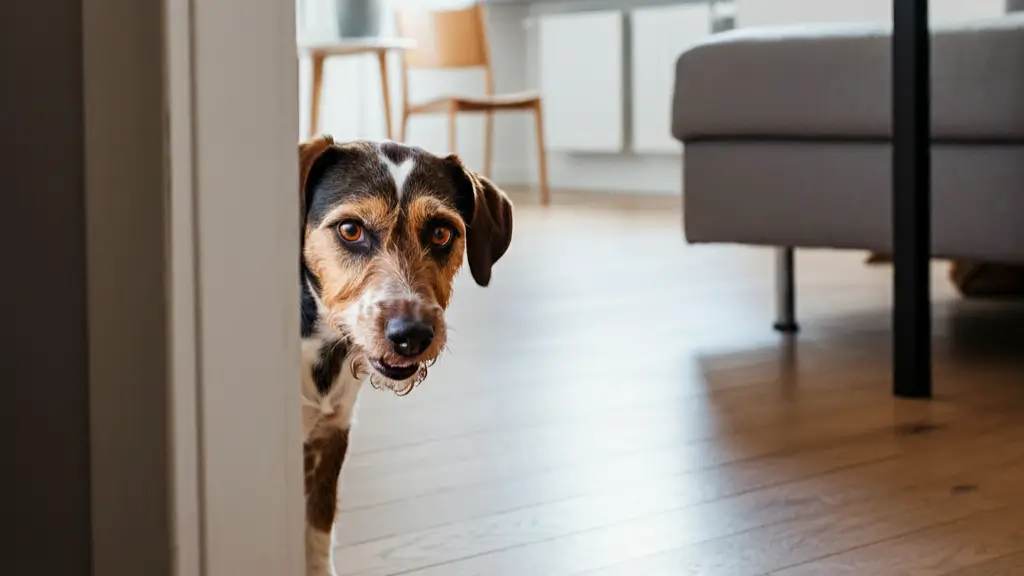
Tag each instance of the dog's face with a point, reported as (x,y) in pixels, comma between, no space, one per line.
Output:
(385,229)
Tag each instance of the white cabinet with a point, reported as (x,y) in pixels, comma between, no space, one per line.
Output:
(581,78)
(658,36)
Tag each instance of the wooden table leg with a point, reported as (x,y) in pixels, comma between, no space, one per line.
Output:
(452,115)
(911,202)
(314,94)
(382,60)
(488,143)
(542,154)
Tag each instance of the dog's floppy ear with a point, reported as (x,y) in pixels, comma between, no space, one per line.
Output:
(488,215)
(310,152)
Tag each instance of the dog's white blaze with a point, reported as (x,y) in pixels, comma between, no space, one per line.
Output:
(399,172)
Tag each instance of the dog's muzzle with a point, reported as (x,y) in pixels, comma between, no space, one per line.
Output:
(408,337)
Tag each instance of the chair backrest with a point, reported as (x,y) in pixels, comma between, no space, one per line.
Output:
(445,39)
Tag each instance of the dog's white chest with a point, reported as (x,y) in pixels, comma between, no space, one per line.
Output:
(336,408)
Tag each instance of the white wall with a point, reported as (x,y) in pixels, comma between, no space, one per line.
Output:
(622,172)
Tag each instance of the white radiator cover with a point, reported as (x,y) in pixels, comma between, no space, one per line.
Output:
(658,36)
(581,64)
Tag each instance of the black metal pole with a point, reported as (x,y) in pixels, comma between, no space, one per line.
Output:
(911,199)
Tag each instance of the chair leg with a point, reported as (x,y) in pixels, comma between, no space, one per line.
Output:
(451,130)
(785,291)
(404,127)
(314,95)
(542,156)
(488,143)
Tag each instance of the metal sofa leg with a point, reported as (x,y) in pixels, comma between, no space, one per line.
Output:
(785,291)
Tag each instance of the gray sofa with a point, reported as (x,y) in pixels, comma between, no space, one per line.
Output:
(787,141)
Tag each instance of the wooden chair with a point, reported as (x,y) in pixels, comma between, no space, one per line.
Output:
(458,39)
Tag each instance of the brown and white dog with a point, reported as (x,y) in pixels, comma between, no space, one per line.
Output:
(385,228)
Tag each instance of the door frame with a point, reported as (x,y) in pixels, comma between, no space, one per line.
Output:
(191,125)
(232,99)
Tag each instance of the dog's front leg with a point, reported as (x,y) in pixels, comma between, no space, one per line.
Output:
(323,456)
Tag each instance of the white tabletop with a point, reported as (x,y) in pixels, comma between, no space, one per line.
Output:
(340,46)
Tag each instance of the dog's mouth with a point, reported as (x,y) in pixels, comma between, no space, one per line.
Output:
(394,372)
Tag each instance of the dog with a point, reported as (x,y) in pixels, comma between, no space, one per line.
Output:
(385,228)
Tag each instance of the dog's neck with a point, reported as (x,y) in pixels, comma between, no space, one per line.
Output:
(330,385)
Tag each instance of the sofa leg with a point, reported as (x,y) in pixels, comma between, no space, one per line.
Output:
(785,291)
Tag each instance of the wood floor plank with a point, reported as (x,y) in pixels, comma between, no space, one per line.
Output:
(701,485)
(741,435)
(935,551)
(638,508)
(801,426)
(637,420)
(754,538)
(1009,565)
(822,433)
(582,399)
(636,428)
(863,521)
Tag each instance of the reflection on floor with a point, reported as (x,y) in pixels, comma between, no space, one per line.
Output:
(616,404)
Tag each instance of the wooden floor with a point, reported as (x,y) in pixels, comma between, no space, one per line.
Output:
(616,404)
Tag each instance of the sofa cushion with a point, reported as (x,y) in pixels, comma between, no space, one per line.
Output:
(833,81)
(839,195)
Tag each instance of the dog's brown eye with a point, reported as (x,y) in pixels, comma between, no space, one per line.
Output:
(350,231)
(441,236)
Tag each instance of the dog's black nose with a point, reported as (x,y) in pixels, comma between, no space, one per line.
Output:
(409,337)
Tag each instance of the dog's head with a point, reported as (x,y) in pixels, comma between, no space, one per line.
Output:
(385,229)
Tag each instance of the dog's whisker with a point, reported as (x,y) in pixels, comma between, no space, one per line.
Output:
(375,381)
(360,368)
